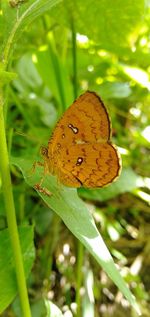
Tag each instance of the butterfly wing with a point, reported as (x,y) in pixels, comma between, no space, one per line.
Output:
(80,152)
(89,165)
(85,121)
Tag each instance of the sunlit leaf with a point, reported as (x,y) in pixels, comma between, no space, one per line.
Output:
(66,203)
(16,19)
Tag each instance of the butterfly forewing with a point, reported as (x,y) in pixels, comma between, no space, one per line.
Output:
(85,121)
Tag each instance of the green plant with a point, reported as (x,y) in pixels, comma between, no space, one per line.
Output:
(56,74)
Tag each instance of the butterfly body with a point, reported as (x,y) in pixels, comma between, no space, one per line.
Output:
(80,152)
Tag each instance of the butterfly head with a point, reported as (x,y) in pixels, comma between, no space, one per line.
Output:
(44,151)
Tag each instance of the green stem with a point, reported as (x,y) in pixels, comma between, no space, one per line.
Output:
(74,58)
(79,277)
(57,70)
(11,216)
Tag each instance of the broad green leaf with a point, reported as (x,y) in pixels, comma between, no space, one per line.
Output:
(8,283)
(31,89)
(137,74)
(72,210)
(112,23)
(16,19)
(51,68)
(114,90)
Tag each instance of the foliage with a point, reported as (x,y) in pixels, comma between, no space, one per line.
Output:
(7,277)
(52,51)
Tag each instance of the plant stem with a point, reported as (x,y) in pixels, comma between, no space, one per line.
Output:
(57,70)
(74,58)
(79,274)
(11,216)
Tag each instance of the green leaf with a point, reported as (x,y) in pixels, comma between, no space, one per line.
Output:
(88,300)
(50,67)
(72,210)
(32,83)
(16,19)
(6,77)
(8,289)
(112,23)
(114,90)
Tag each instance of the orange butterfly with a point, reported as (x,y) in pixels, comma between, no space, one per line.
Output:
(80,152)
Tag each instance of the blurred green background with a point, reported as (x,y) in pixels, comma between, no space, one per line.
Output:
(103,46)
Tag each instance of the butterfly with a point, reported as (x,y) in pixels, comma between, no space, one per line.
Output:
(80,152)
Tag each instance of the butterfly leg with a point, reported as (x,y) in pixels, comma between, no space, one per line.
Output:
(38,186)
(42,190)
(44,164)
(33,168)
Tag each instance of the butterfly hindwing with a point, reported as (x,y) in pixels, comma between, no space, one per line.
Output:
(92,165)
